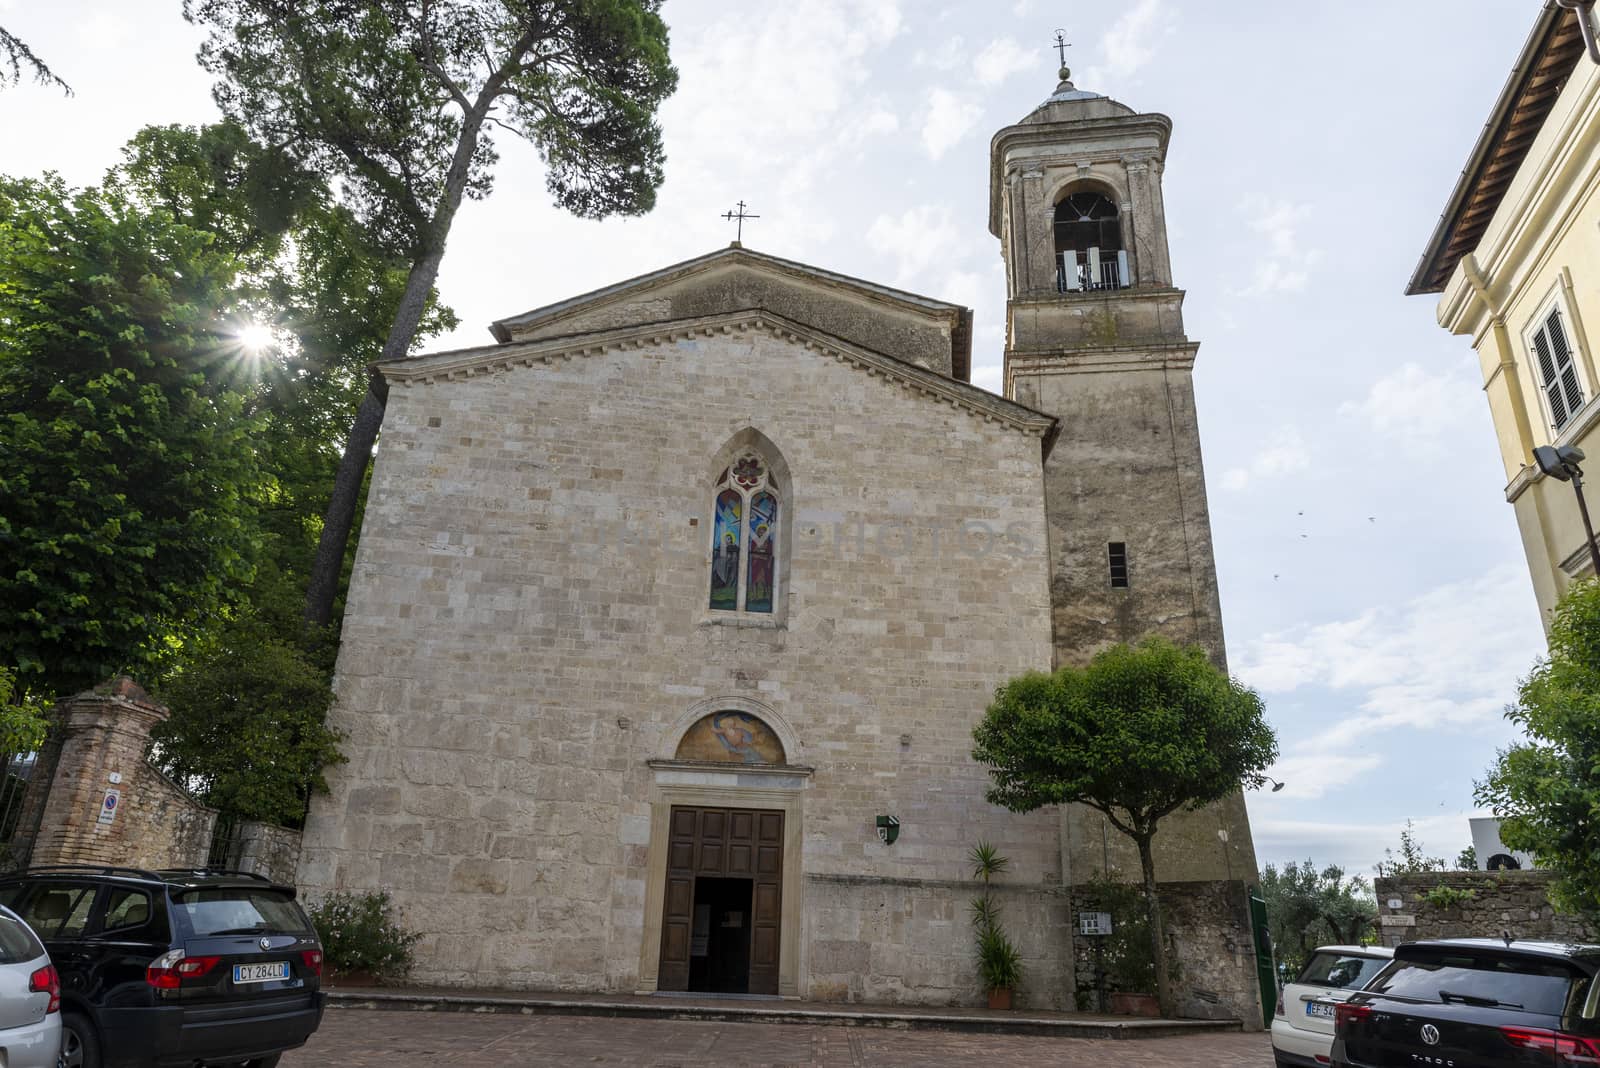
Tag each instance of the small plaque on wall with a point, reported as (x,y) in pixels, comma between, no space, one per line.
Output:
(1094,923)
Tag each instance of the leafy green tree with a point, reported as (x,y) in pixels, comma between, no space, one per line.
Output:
(1309,906)
(1546,790)
(1467,859)
(1411,860)
(1139,733)
(23,718)
(248,734)
(396,101)
(15,55)
(249,692)
(126,469)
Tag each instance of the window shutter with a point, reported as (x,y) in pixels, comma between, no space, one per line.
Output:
(1566,366)
(1549,375)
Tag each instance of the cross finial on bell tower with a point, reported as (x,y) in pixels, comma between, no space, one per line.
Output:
(1062,44)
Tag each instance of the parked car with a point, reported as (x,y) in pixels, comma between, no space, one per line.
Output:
(1476,1003)
(173,967)
(1302,1028)
(30,998)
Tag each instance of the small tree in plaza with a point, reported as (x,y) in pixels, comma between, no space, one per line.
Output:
(1546,790)
(1138,733)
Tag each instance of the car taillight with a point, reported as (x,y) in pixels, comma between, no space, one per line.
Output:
(168,971)
(46,981)
(312,958)
(1567,1049)
(1345,1013)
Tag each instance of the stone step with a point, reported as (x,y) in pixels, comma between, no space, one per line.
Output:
(774,1011)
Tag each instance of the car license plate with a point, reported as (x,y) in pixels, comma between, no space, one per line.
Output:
(1317,1008)
(261,973)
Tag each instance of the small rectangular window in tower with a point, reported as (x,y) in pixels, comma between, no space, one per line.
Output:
(1117,554)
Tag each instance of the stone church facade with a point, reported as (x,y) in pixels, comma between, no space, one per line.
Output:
(675,608)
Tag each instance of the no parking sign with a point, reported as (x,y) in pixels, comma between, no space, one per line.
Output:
(108,807)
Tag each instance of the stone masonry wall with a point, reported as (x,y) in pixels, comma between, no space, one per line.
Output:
(269,850)
(883,940)
(1515,901)
(510,663)
(1208,935)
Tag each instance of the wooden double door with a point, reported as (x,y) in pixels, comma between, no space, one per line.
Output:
(711,854)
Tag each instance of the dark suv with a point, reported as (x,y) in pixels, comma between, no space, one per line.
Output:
(1475,1003)
(173,967)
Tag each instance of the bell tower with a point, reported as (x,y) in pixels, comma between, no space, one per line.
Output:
(1095,336)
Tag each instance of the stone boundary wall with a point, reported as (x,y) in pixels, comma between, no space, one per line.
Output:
(1515,901)
(270,851)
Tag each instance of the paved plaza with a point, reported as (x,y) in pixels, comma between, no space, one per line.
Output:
(359,1038)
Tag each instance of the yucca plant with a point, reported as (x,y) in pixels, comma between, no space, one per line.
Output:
(999,963)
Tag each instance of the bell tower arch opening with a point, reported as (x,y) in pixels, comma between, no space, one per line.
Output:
(1088,243)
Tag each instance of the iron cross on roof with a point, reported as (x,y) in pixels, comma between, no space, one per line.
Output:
(1061,48)
(741,217)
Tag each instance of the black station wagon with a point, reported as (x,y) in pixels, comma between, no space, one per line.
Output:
(173,968)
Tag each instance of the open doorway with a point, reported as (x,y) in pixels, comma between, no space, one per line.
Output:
(719,954)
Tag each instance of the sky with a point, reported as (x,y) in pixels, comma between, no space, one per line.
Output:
(1373,585)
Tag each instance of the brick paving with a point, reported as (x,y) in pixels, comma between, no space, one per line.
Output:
(360,1038)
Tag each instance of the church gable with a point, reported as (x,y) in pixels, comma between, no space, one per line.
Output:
(681,338)
(931,333)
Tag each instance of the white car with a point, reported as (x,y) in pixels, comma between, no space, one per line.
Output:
(1302,1028)
(30,998)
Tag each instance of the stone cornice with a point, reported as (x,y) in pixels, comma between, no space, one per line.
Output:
(1062,135)
(495,359)
(1171,357)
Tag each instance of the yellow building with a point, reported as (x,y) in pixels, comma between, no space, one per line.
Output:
(1516,261)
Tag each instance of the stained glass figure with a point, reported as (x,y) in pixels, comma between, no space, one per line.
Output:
(763,528)
(726,531)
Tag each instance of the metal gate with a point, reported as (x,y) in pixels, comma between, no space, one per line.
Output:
(19,820)
(1266,970)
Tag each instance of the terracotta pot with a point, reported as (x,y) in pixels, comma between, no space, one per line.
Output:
(1135,1005)
(1000,997)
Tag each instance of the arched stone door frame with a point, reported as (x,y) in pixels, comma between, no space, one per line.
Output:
(779,788)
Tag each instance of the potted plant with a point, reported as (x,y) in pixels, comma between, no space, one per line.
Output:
(999,963)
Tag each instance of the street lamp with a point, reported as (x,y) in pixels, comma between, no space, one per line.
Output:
(1276,785)
(1562,463)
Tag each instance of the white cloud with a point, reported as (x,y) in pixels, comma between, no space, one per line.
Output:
(1283,263)
(1286,454)
(1356,847)
(917,239)
(950,117)
(1439,662)
(950,54)
(1130,44)
(1000,59)
(1424,412)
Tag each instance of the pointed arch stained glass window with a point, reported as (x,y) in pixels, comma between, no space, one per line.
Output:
(744,547)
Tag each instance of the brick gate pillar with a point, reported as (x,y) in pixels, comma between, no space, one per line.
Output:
(104,804)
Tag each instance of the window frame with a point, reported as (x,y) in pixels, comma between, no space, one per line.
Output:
(1538,325)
